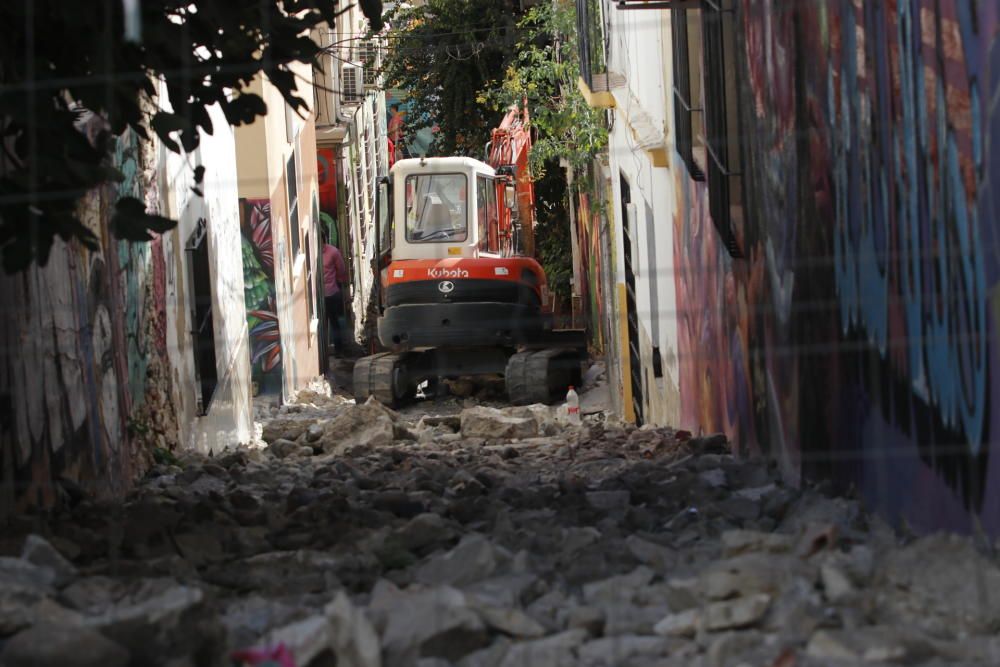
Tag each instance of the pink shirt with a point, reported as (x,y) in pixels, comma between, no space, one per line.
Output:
(334,271)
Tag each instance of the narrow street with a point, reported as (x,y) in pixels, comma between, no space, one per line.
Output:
(460,534)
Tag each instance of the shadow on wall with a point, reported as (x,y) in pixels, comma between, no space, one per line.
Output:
(86,390)
(858,336)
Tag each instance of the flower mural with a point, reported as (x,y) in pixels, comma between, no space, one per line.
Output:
(259,294)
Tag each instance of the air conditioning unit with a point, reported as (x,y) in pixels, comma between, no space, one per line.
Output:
(352,84)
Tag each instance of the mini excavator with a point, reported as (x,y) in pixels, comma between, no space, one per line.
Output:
(459,291)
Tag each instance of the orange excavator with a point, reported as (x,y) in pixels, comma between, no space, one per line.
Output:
(459,293)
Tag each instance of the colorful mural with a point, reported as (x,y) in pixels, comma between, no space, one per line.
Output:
(85,385)
(860,336)
(260,295)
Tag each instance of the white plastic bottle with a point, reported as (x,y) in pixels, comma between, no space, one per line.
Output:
(572,406)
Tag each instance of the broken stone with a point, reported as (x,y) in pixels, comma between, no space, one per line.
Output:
(631,619)
(586,618)
(553,651)
(246,619)
(425,530)
(836,584)
(682,624)
(484,422)
(511,621)
(354,640)
(22,586)
(306,638)
(872,644)
(57,645)
(432,622)
(942,584)
(733,648)
(737,613)
(153,619)
(283,448)
(735,542)
(609,501)
(507,590)
(283,429)
(38,551)
(473,559)
(618,588)
(621,649)
(753,572)
(656,556)
(364,426)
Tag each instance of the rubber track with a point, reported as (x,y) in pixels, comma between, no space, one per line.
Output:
(527,376)
(373,377)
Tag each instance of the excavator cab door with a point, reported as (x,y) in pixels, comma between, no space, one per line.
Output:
(383,234)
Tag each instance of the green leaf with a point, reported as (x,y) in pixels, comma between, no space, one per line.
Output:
(131,222)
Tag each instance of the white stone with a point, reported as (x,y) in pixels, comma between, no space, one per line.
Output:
(473,559)
(38,551)
(683,624)
(485,422)
(355,642)
(553,651)
(738,613)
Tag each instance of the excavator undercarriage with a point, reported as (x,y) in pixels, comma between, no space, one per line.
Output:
(538,373)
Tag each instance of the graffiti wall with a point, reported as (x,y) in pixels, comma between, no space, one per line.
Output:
(84,381)
(260,295)
(861,335)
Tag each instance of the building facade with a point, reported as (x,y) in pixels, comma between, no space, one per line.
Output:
(626,56)
(282,261)
(353,154)
(835,263)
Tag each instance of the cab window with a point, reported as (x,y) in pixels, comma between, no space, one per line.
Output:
(487,214)
(436,209)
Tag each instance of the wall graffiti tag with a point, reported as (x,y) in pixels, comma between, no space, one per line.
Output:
(874,262)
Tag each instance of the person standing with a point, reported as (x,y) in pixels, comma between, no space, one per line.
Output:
(397,130)
(334,279)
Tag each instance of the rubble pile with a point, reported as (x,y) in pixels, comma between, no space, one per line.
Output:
(362,537)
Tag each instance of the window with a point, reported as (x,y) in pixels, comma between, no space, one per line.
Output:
(487,214)
(688,119)
(368,52)
(310,291)
(292,190)
(436,208)
(722,136)
(385,222)
(590,33)
(200,305)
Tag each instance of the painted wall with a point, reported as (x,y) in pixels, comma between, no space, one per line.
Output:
(85,386)
(282,314)
(228,418)
(860,336)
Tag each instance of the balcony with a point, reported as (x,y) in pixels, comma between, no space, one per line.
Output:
(595,83)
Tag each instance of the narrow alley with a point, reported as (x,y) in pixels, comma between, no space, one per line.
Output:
(500,333)
(470,535)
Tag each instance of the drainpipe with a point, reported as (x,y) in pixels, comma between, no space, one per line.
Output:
(575,298)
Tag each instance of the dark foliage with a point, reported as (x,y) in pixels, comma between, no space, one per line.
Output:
(445,56)
(61,59)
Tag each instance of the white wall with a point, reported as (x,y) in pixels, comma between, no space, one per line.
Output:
(637,52)
(229,419)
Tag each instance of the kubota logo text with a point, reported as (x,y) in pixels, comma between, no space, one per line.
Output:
(447,273)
